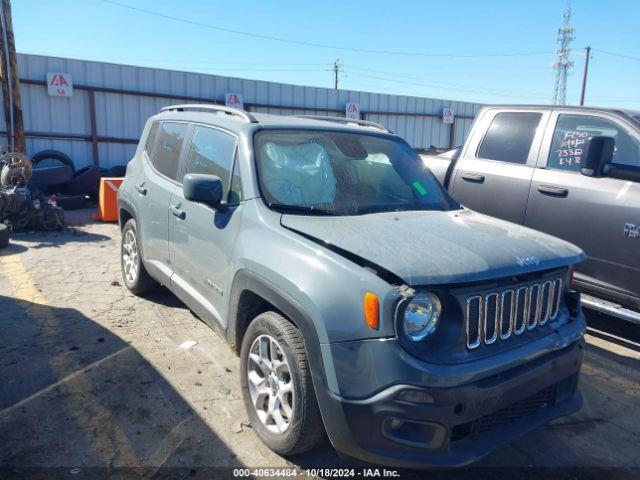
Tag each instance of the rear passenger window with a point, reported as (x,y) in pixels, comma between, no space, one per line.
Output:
(148,147)
(509,137)
(212,152)
(167,144)
(572,133)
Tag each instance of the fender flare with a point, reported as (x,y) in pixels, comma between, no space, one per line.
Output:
(124,204)
(330,410)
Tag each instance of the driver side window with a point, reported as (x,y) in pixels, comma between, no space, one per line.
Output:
(572,133)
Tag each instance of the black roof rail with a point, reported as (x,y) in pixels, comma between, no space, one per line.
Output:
(211,108)
(356,121)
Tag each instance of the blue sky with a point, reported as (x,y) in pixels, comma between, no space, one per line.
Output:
(96,30)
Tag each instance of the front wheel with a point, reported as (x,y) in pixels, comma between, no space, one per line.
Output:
(135,276)
(277,387)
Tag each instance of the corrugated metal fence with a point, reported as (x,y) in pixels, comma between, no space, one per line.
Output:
(103,119)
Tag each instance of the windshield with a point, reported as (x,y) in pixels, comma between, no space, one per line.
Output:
(340,173)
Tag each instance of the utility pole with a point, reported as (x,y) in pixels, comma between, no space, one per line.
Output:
(11,81)
(562,65)
(337,68)
(584,75)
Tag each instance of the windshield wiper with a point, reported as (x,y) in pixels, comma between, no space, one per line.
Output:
(310,210)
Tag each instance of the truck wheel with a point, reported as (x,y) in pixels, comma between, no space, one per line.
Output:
(277,387)
(135,276)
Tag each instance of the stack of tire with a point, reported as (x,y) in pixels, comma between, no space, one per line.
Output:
(4,235)
(55,173)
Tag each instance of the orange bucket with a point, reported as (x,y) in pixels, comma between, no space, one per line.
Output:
(108,199)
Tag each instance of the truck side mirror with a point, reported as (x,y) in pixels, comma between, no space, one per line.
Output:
(598,152)
(207,189)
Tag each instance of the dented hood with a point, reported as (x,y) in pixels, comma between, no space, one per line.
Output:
(428,248)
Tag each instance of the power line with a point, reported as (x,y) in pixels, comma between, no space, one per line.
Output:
(447,84)
(313,44)
(621,55)
(440,87)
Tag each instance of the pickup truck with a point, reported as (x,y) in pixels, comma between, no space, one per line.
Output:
(572,172)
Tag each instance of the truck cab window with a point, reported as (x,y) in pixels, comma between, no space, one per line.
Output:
(572,133)
(509,137)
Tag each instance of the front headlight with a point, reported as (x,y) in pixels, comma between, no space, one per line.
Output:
(421,316)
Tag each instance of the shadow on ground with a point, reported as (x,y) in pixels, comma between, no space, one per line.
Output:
(75,396)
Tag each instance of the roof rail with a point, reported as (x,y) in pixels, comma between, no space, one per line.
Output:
(211,108)
(356,121)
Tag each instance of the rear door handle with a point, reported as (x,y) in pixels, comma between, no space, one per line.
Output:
(473,177)
(140,189)
(553,190)
(181,214)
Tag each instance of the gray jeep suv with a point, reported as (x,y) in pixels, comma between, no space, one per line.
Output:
(363,300)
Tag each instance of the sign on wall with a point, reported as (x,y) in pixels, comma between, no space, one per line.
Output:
(59,84)
(447,115)
(352,110)
(234,100)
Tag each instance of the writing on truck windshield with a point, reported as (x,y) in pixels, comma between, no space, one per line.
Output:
(341,173)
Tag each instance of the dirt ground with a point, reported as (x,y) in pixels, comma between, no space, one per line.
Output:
(97,382)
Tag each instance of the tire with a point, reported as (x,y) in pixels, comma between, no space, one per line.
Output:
(305,429)
(85,181)
(51,176)
(140,282)
(60,157)
(4,235)
(71,202)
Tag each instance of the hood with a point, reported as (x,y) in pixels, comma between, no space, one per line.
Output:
(430,248)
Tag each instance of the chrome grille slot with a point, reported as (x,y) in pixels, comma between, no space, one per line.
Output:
(474,315)
(501,314)
(491,315)
(522,311)
(557,297)
(535,306)
(547,301)
(507,313)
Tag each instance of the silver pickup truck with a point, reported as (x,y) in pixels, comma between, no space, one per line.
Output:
(573,172)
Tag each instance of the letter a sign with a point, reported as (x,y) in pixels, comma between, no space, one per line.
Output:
(59,85)
(352,110)
(234,100)
(447,115)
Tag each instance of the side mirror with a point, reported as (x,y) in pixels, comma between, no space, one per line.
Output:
(598,152)
(206,189)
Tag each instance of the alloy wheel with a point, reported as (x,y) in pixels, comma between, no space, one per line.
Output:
(130,256)
(270,384)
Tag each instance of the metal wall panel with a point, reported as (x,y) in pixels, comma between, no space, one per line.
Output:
(122,116)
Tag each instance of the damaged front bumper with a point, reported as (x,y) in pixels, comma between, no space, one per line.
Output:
(449,415)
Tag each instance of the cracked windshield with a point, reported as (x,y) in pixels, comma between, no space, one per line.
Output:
(338,173)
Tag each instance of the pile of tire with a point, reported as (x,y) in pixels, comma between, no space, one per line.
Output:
(4,235)
(55,173)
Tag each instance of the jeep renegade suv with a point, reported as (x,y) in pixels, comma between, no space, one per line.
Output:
(363,300)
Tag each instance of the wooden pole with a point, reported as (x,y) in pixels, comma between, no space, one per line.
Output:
(4,81)
(14,79)
(584,75)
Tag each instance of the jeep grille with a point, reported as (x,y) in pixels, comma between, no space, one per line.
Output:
(499,315)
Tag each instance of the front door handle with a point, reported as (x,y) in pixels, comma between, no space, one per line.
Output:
(140,189)
(473,177)
(553,190)
(181,214)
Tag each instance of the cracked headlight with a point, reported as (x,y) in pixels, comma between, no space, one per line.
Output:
(421,316)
